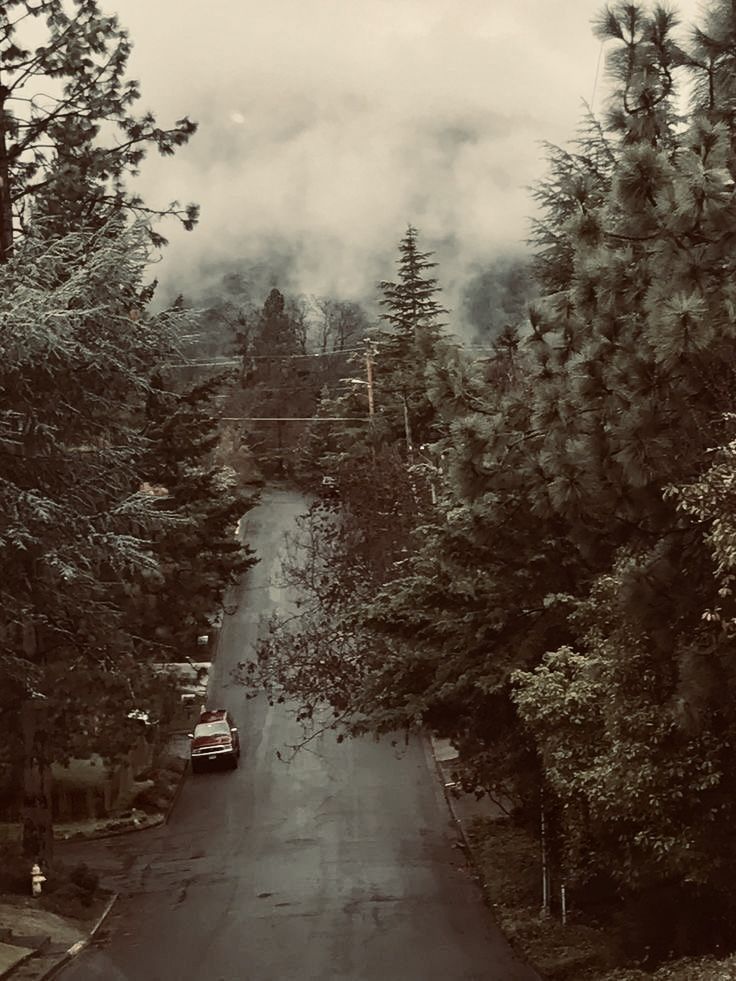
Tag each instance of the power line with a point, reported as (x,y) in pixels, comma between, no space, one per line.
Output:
(237,362)
(317,354)
(294,419)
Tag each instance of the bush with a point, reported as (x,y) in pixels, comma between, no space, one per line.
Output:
(68,899)
(71,891)
(84,878)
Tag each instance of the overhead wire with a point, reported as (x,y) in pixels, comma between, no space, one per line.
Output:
(236,362)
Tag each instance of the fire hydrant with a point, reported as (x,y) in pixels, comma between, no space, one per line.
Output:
(37,877)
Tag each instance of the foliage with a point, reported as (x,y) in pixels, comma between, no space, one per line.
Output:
(197,554)
(631,721)
(686,969)
(507,859)
(68,135)
(294,351)
(323,656)
(79,528)
(564,611)
(711,501)
(403,350)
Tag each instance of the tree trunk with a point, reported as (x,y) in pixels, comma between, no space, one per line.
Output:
(36,822)
(37,827)
(6,208)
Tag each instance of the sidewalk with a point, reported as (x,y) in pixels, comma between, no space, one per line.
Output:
(465,808)
(39,942)
(34,942)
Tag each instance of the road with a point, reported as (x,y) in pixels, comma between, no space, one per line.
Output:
(341,864)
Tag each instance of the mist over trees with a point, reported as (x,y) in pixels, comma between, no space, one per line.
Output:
(496,297)
(294,370)
(285,355)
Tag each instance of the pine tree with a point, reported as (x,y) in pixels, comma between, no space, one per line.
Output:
(403,351)
(411,306)
(197,554)
(64,156)
(642,66)
(634,375)
(276,382)
(75,530)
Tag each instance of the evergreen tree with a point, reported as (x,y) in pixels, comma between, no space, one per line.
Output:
(104,575)
(411,342)
(276,332)
(710,59)
(75,530)
(411,306)
(64,155)
(642,66)
(635,372)
(197,554)
(274,381)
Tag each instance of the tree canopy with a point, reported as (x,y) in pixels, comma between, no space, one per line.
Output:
(112,474)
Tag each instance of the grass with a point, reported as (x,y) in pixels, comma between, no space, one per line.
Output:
(81,774)
(508,861)
(509,864)
(689,969)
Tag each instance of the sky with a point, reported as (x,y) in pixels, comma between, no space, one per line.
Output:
(327,126)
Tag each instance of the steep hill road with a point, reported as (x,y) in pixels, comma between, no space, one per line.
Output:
(338,865)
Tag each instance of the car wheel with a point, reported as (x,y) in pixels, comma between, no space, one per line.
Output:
(233,762)
(195,767)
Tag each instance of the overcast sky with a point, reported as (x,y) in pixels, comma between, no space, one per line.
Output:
(325,126)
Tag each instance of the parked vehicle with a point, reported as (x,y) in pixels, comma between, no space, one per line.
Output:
(215,740)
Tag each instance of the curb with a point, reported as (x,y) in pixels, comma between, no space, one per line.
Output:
(471,861)
(104,835)
(80,945)
(448,795)
(165,816)
(177,794)
(8,973)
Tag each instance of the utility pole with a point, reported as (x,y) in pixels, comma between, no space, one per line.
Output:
(546,884)
(371,404)
(407,431)
(6,207)
(37,828)
(369,376)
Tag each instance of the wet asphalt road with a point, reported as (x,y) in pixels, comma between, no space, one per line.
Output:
(340,864)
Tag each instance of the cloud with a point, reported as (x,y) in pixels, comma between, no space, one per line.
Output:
(328,125)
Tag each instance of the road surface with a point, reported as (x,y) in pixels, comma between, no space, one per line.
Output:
(341,864)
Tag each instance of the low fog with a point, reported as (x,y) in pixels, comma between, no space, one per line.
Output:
(326,126)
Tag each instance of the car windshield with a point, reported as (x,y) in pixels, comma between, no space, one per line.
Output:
(212,729)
